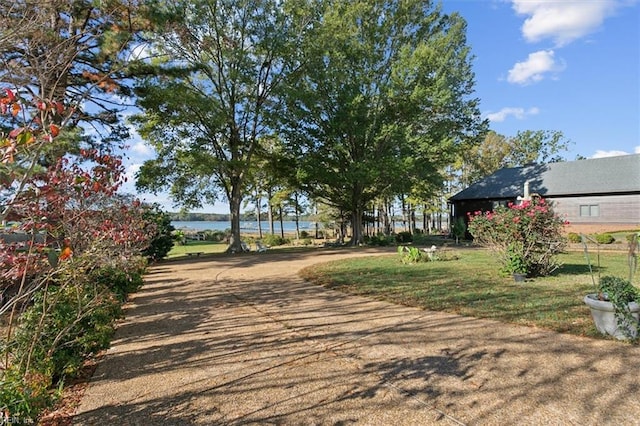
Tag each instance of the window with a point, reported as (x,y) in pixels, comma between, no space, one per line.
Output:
(589,210)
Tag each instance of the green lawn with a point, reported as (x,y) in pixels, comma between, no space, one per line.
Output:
(211,247)
(206,247)
(472,286)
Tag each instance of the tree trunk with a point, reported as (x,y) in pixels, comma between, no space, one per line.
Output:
(424,220)
(386,222)
(258,214)
(281,222)
(356,227)
(270,213)
(404,213)
(235,244)
(412,218)
(297,215)
(316,221)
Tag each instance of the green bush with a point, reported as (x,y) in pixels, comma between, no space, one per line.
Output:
(304,234)
(70,319)
(179,237)
(630,237)
(459,229)
(574,238)
(422,239)
(274,240)
(119,281)
(380,240)
(24,397)
(404,237)
(215,235)
(162,241)
(410,254)
(604,238)
(63,327)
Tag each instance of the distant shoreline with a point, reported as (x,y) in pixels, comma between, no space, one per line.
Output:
(249,226)
(217,217)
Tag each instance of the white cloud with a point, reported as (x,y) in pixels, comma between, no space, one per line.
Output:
(637,149)
(562,21)
(601,154)
(504,113)
(141,148)
(132,169)
(533,69)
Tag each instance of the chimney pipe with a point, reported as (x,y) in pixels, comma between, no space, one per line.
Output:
(527,196)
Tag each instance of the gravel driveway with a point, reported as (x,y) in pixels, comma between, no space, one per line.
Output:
(243,340)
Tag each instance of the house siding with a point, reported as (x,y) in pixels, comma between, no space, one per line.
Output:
(615,212)
(611,209)
(607,189)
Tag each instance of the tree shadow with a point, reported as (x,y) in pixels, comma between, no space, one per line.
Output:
(578,269)
(277,350)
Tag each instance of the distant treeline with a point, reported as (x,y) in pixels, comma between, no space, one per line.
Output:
(197,217)
(218,217)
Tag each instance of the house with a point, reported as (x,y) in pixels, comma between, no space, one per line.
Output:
(594,195)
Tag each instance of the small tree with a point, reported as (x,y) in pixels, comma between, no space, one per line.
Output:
(459,229)
(526,237)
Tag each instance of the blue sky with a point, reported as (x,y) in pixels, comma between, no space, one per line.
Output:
(569,65)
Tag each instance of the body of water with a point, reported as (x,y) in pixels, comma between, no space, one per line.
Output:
(203,225)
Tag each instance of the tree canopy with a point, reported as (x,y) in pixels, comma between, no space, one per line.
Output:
(207,97)
(71,51)
(369,100)
(498,151)
(385,102)
(63,63)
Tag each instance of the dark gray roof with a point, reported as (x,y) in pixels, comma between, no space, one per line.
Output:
(609,175)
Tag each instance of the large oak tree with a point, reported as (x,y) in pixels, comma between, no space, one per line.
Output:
(220,65)
(386,103)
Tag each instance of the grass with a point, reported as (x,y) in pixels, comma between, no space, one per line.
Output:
(206,247)
(214,247)
(471,286)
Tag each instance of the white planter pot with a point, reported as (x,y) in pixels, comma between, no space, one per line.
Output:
(604,316)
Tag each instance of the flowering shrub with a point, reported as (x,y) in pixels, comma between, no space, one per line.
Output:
(73,257)
(526,237)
